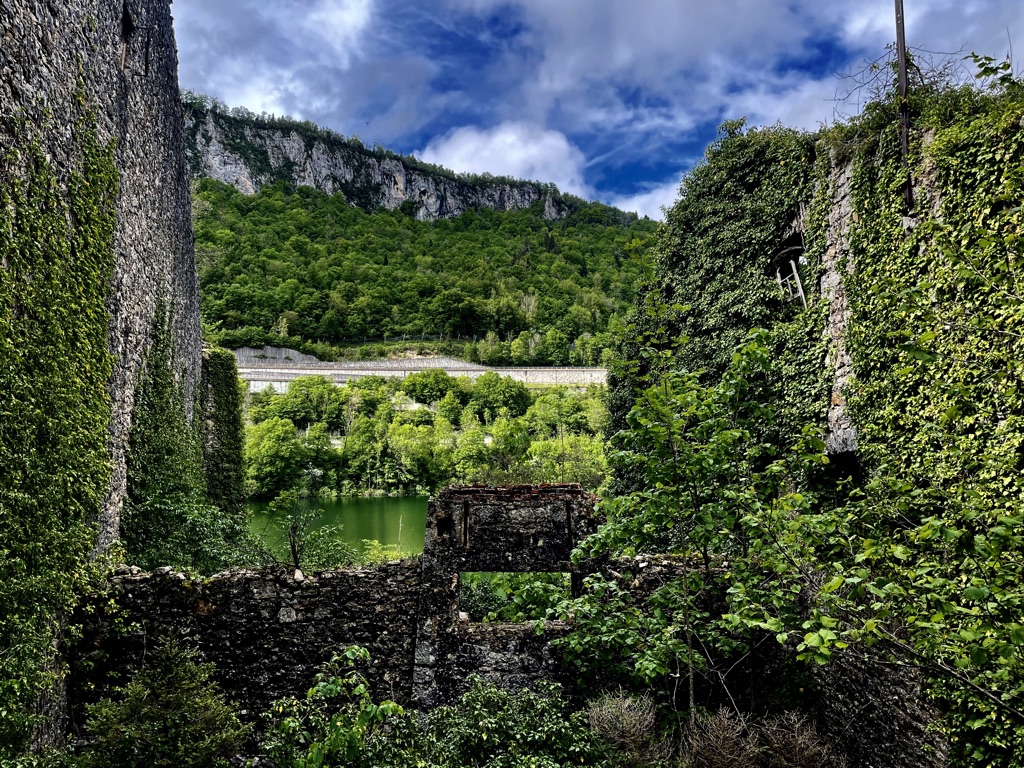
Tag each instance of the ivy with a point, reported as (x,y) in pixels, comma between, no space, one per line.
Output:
(222,434)
(714,276)
(169,518)
(918,550)
(56,261)
(937,349)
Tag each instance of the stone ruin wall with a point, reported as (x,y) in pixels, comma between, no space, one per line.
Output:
(119,58)
(270,631)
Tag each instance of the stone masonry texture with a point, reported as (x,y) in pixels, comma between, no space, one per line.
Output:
(117,58)
(270,631)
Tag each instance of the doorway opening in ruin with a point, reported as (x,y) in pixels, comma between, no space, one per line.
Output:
(511,598)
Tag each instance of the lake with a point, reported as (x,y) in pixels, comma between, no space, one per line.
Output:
(391,520)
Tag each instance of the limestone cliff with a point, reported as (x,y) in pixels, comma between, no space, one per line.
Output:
(249,151)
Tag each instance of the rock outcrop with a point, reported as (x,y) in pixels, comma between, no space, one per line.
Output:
(249,154)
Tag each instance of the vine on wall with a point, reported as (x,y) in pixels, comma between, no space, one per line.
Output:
(937,313)
(222,431)
(919,552)
(56,261)
(168,517)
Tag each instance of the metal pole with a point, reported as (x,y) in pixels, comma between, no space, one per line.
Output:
(901,64)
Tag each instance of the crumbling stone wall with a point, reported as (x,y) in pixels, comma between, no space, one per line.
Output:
(116,59)
(519,530)
(270,631)
(267,631)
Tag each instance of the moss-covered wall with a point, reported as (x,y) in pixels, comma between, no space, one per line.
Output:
(908,362)
(94,234)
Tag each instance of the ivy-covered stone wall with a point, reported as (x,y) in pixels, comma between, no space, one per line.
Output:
(905,361)
(95,222)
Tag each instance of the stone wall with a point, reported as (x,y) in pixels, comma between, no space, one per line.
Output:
(841,436)
(270,631)
(877,709)
(61,61)
(521,529)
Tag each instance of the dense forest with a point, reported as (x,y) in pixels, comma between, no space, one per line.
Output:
(422,433)
(297,266)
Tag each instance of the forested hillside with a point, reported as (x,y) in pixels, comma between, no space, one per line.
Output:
(307,268)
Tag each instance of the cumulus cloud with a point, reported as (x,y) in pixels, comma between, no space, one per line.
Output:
(650,202)
(517,149)
(340,23)
(582,94)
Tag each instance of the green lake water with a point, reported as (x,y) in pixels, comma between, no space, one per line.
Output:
(391,520)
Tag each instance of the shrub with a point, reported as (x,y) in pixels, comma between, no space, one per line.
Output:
(496,728)
(170,714)
(629,723)
(729,740)
(333,724)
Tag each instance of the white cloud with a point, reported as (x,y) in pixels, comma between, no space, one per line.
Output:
(341,24)
(618,81)
(513,148)
(651,201)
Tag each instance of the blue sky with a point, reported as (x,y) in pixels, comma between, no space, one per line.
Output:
(612,100)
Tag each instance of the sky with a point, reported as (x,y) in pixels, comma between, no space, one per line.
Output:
(612,100)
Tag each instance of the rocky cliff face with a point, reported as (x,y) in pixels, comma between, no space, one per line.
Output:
(249,153)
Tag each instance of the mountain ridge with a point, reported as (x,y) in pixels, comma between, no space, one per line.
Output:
(249,151)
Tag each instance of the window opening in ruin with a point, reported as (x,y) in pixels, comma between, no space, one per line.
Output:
(127,29)
(786,261)
(844,467)
(510,598)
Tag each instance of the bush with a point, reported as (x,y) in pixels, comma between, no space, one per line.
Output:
(478,597)
(170,714)
(325,549)
(629,723)
(333,724)
(339,724)
(496,728)
(730,740)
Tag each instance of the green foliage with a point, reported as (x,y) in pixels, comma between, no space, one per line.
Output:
(511,597)
(274,457)
(170,714)
(57,256)
(493,392)
(333,724)
(168,518)
(223,435)
(497,729)
(338,723)
(934,336)
(299,267)
(714,278)
(325,549)
(164,453)
(917,550)
(366,436)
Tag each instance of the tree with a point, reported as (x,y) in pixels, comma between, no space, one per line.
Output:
(274,457)
(492,392)
(170,714)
